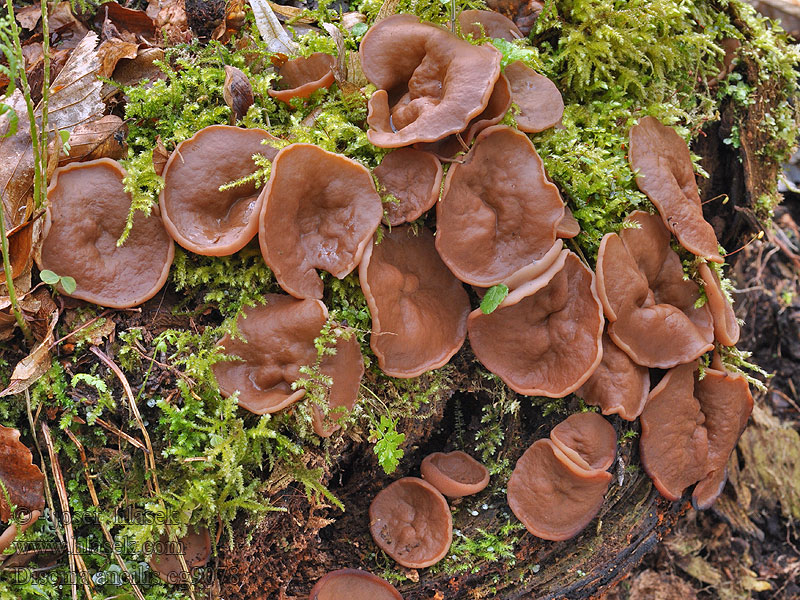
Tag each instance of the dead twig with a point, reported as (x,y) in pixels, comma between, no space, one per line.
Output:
(117,431)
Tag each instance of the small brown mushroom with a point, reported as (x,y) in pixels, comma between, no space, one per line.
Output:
(498,211)
(545,337)
(653,335)
(568,227)
(196,213)
(345,368)
(455,474)
(618,385)
(414,178)
(494,25)
(540,103)
(674,441)
(665,174)
(726,402)
(524,14)
(353,584)
(556,493)
(278,339)
(410,521)
(86,214)
(726,327)
(419,310)
(302,76)
(430,83)
(195,547)
(319,211)
(22,480)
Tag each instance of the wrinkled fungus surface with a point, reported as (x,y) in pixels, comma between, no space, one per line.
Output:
(545,338)
(87,208)
(414,178)
(430,83)
(278,339)
(196,213)
(498,211)
(353,584)
(726,327)
(320,211)
(419,310)
(455,474)
(540,103)
(345,368)
(494,25)
(665,174)
(410,521)
(302,76)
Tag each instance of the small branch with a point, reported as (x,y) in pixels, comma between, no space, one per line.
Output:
(117,431)
(47,494)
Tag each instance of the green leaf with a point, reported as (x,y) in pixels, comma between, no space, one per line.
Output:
(388,443)
(49,277)
(494,296)
(358,30)
(69,285)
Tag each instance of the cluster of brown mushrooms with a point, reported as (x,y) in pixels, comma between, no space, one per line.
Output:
(499,220)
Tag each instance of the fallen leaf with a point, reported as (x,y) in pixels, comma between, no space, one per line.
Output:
(271,30)
(170,20)
(290,12)
(33,366)
(68,30)
(20,244)
(102,138)
(23,480)
(237,92)
(142,68)
(160,156)
(28,16)
(16,163)
(340,66)
(112,51)
(136,22)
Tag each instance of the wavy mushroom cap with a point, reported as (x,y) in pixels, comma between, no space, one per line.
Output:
(430,83)
(618,385)
(540,103)
(726,402)
(479,22)
(195,547)
(524,14)
(196,213)
(419,310)
(345,368)
(353,584)
(274,340)
(653,335)
(410,521)
(552,496)
(414,178)
(496,109)
(726,327)
(320,210)
(665,174)
(674,440)
(302,76)
(87,208)
(649,245)
(455,474)
(545,338)
(587,439)
(568,227)
(498,211)
(23,480)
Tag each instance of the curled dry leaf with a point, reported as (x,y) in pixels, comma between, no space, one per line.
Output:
(112,51)
(271,30)
(102,138)
(28,16)
(170,19)
(23,480)
(63,22)
(160,156)
(237,92)
(130,24)
(33,366)
(20,243)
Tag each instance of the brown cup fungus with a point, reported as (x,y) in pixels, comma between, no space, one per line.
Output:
(568,227)
(300,77)
(199,216)
(523,14)
(455,474)
(195,547)
(665,174)
(345,368)
(353,584)
(726,327)
(494,25)
(618,385)
(558,484)
(419,310)
(653,335)
(545,338)
(86,214)
(498,211)
(410,521)
(414,178)
(540,103)
(278,339)
(319,211)
(430,83)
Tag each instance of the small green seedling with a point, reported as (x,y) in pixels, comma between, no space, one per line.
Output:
(67,283)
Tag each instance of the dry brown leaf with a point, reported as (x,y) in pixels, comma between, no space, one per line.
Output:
(169,17)
(16,164)
(270,29)
(237,92)
(136,22)
(141,68)
(340,66)
(112,51)
(28,16)
(290,12)
(20,244)
(33,366)
(23,480)
(69,30)
(160,156)
(102,138)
